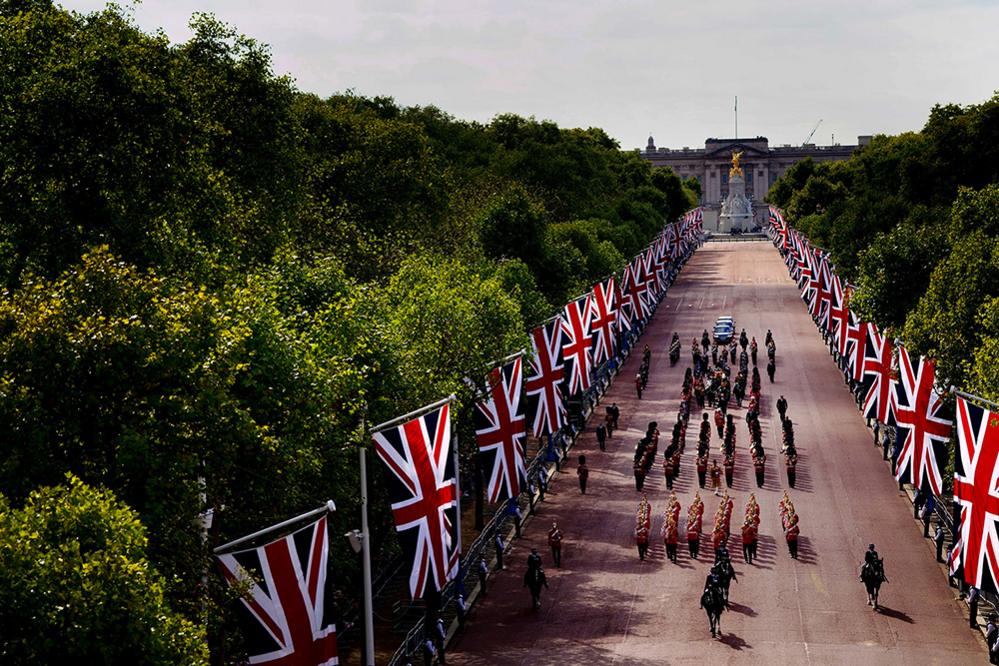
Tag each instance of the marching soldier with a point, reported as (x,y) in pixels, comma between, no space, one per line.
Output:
(771,368)
(752,349)
(791,533)
(759,464)
(781,407)
(748,537)
(644,524)
(638,385)
(555,537)
(715,472)
(670,537)
(729,469)
(668,463)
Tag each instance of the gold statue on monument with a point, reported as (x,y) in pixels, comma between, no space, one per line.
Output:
(736,170)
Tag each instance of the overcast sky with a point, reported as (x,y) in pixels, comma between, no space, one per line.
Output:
(671,67)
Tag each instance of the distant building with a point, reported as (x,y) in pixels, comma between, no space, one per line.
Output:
(762,165)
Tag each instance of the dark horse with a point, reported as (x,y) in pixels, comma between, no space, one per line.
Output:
(873,574)
(726,574)
(713,604)
(533,580)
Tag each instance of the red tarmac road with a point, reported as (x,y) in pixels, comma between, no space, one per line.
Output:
(604,606)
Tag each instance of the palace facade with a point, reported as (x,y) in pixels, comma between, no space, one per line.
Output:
(763,165)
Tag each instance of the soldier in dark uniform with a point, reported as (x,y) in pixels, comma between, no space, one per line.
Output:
(781,407)
(729,469)
(771,368)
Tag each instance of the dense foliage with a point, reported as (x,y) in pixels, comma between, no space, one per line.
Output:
(913,221)
(75,585)
(213,282)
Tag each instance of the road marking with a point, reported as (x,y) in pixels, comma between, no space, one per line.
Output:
(820,587)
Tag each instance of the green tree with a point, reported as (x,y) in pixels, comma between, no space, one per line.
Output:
(76,585)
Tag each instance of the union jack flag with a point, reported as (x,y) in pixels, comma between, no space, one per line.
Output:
(500,429)
(975,492)
(423,490)
(918,418)
(625,310)
(634,289)
(839,315)
(879,393)
(604,320)
(856,335)
(649,277)
(577,349)
(544,386)
(286,613)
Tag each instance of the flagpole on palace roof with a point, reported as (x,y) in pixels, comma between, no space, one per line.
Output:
(325,508)
(413,414)
(971,396)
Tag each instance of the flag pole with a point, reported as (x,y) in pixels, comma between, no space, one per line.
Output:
(412,415)
(369,627)
(325,508)
(970,396)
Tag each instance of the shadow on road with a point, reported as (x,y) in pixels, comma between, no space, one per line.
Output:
(739,608)
(895,614)
(735,642)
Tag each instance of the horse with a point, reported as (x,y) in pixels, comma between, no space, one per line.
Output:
(713,604)
(873,574)
(533,580)
(725,576)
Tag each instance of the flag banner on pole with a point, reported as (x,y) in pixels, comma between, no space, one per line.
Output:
(286,610)
(604,321)
(879,389)
(423,490)
(975,467)
(919,422)
(500,429)
(856,334)
(625,311)
(577,343)
(545,401)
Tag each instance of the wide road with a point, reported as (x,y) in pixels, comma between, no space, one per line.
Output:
(604,606)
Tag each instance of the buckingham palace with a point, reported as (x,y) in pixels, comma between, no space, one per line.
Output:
(762,164)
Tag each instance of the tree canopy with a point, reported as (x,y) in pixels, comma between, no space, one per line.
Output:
(213,281)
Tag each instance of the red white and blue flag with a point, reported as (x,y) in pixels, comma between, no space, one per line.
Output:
(577,345)
(975,468)
(856,335)
(544,386)
(879,391)
(839,315)
(287,615)
(423,491)
(920,423)
(604,321)
(625,311)
(500,429)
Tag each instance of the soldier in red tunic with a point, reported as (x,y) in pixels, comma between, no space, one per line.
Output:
(791,533)
(748,538)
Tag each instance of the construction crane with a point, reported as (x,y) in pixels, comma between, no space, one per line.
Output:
(812,133)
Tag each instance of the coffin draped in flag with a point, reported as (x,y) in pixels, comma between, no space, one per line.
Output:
(577,343)
(287,614)
(500,429)
(546,404)
(879,391)
(604,321)
(919,423)
(975,493)
(423,490)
